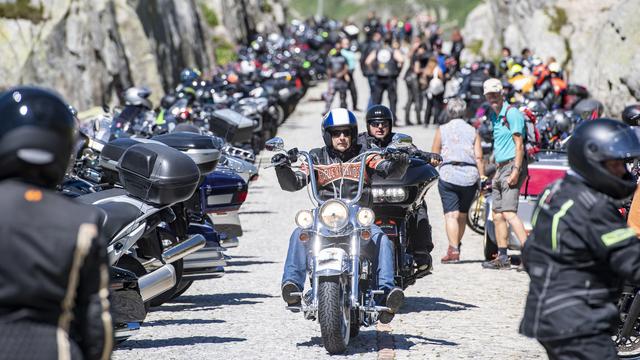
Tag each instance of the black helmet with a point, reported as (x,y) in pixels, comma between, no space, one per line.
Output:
(631,115)
(380,112)
(596,141)
(37,134)
(338,118)
(561,121)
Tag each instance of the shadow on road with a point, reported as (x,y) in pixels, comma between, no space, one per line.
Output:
(418,304)
(362,344)
(182,322)
(407,341)
(206,302)
(185,341)
(245,263)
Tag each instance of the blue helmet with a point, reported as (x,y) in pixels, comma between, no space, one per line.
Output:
(339,117)
(187,76)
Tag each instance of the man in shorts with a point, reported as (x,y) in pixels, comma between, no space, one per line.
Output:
(508,148)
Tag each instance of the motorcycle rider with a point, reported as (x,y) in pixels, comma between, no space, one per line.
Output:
(471,88)
(338,73)
(339,132)
(580,249)
(379,135)
(386,63)
(54,275)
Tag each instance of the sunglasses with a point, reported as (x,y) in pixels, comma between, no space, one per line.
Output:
(338,132)
(378,123)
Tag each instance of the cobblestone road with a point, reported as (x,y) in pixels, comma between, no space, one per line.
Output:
(459,312)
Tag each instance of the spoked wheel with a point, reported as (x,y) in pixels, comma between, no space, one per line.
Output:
(477,215)
(629,346)
(334,314)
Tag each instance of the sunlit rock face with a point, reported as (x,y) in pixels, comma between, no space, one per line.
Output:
(596,40)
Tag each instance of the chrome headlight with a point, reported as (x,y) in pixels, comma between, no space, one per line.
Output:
(365,217)
(304,219)
(334,214)
(391,194)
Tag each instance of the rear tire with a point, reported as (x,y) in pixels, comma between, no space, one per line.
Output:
(182,288)
(334,314)
(177,265)
(490,248)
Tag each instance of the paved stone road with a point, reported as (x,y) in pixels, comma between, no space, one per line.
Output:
(461,311)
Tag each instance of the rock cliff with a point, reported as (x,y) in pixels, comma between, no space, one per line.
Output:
(596,40)
(91,50)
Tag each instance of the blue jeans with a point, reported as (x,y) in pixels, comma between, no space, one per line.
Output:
(295,267)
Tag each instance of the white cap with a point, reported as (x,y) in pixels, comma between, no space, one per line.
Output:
(492,86)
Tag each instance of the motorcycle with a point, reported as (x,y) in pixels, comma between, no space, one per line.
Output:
(627,335)
(342,273)
(396,203)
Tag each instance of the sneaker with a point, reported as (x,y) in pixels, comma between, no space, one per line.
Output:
(499,263)
(385,317)
(395,299)
(423,260)
(289,288)
(453,256)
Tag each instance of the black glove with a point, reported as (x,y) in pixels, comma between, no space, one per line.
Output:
(399,157)
(434,156)
(280,160)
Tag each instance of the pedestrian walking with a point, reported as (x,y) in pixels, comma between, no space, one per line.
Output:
(460,172)
(416,66)
(433,78)
(386,63)
(508,148)
(351,65)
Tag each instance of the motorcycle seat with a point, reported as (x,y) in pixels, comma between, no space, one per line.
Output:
(116,215)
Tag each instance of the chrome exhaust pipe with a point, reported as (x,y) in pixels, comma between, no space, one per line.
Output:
(182,249)
(157,282)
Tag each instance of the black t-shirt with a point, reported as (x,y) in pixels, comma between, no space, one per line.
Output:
(337,63)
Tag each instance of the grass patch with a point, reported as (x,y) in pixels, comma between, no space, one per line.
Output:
(558,19)
(224,51)
(475,46)
(210,15)
(22,9)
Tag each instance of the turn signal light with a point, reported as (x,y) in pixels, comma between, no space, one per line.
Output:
(304,236)
(365,234)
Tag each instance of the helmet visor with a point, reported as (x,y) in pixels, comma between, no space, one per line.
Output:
(623,144)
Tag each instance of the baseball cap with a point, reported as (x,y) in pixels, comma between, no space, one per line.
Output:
(492,86)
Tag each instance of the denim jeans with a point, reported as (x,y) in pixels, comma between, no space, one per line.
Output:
(295,266)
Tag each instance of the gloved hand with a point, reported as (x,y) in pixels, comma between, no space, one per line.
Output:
(435,159)
(399,157)
(280,160)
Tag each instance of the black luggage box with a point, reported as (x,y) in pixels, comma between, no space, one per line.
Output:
(232,126)
(110,155)
(202,149)
(158,174)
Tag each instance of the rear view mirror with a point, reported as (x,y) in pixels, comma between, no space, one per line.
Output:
(401,141)
(274,144)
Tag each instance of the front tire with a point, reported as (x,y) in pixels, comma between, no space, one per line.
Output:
(334,314)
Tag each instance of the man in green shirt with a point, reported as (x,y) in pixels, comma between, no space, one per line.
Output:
(508,149)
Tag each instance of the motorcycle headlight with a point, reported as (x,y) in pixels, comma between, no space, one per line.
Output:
(365,217)
(334,214)
(304,219)
(391,195)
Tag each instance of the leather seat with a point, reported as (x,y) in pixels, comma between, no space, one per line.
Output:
(116,215)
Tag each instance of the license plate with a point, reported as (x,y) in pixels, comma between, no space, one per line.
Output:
(219,199)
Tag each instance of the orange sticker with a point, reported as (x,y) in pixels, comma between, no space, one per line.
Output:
(33,195)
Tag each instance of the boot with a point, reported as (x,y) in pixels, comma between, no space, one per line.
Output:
(453,256)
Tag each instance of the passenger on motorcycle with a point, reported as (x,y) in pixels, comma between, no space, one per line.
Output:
(54,275)
(339,132)
(379,134)
(581,250)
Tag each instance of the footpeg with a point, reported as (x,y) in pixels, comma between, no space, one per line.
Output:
(295,309)
(377,292)
(296,294)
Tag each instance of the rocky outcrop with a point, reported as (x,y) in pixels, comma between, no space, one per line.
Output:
(596,40)
(92,50)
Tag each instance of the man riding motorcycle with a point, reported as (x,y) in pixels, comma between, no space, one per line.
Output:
(54,275)
(379,134)
(339,132)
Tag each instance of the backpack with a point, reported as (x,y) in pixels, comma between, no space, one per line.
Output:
(531,134)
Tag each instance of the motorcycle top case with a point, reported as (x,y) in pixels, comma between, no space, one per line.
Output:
(158,174)
(202,149)
(111,153)
(232,126)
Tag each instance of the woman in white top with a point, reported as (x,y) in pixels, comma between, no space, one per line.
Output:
(461,168)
